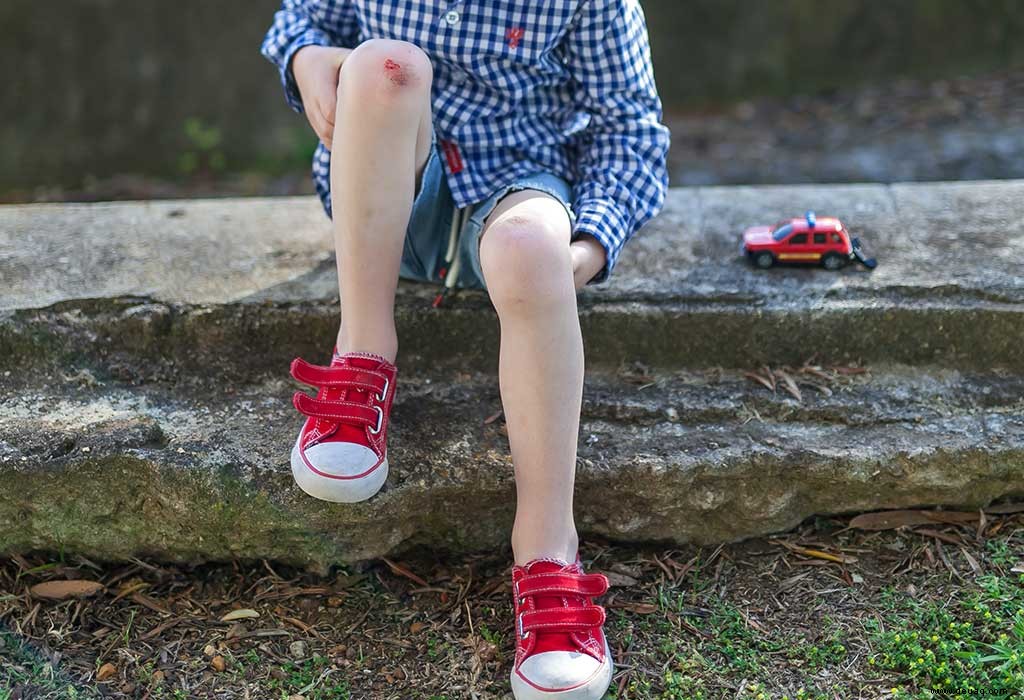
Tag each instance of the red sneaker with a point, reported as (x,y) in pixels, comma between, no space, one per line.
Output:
(561,650)
(341,453)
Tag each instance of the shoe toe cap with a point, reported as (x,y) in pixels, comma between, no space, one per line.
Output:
(570,674)
(343,460)
(338,472)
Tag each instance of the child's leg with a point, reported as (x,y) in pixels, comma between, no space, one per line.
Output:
(381,142)
(524,255)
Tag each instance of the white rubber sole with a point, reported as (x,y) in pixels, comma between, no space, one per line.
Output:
(337,490)
(593,689)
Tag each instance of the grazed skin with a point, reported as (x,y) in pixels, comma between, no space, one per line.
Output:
(395,73)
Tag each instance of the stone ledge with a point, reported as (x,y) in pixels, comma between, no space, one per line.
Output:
(139,339)
(211,280)
(947,239)
(192,473)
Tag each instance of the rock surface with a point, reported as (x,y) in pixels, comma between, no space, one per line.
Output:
(144,399)
(197,472)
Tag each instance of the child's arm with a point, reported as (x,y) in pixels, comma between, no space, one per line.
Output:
(621,178)
(320,23)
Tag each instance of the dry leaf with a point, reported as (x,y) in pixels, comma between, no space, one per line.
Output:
(617,579)
(640,608)
(241,614)
(971,561)
(106,672)
(790,385)
(891,519)
(218,664)
(417,627)
(759,379)
(402,571)
(827,556)
(939,535)
(821,387)
(60,590)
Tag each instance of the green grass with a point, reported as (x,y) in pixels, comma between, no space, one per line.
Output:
(312,679)
(21,666)
(969,648)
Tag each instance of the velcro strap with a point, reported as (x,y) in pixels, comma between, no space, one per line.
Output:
(563,584)
(339,411)
(346,377)
(565,619)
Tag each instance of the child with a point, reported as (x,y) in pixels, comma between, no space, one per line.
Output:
(505,145)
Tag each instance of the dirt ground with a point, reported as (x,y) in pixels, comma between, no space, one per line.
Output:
(911,604)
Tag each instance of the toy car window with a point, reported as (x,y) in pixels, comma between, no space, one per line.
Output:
(819,238)
(798,238)
(836,238)
(782,231)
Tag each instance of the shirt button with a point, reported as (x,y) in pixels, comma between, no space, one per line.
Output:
(451,17)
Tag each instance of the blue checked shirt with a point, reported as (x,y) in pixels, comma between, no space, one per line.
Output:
(564,86)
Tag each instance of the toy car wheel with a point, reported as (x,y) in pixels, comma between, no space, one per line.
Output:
(833,261)
(764,260)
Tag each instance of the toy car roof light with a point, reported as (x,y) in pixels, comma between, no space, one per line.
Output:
(812,220)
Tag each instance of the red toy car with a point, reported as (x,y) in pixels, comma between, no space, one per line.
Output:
(824,241)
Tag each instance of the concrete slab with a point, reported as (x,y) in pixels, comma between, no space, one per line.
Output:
(197,251)
(932,237)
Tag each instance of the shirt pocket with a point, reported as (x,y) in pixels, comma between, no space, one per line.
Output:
(506,41)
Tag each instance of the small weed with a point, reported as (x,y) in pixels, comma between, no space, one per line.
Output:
(736,641)
(312,680)
(970,648)
(491,636)
(1000,553)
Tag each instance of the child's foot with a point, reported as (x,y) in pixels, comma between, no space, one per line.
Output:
(341,453)
(561,651)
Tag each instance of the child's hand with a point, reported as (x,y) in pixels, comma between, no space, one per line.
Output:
(316,73)
(588,257)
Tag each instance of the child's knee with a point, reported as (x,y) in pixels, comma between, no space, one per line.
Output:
(526,261)
(385,70)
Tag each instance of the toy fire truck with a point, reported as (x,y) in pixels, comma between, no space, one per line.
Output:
(822,241)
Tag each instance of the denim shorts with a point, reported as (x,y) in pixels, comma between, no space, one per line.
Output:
(442,242)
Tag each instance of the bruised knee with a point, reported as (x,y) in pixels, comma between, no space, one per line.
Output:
(385,70)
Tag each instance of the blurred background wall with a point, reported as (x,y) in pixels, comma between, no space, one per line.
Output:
(96,88)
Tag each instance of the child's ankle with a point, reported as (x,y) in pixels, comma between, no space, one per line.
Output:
(386,349)
(564,550)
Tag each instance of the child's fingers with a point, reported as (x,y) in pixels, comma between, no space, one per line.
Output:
(327,111)
(315,122)
(326,130)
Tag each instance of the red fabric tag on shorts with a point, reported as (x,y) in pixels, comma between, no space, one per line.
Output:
(452,155)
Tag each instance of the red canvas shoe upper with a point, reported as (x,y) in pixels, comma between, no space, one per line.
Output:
(353,404)
(554,611)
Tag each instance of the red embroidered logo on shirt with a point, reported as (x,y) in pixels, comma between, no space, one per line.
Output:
(514,34)
(452,155)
